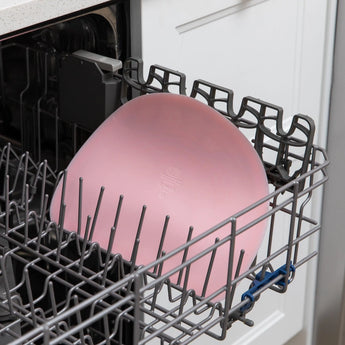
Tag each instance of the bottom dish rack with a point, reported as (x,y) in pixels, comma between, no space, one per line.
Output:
(57,287)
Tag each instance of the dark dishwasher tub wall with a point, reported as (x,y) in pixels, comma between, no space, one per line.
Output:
(36,93)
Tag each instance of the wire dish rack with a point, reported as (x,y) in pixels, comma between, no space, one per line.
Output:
(57,287)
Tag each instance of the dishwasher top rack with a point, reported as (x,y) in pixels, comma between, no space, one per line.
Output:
(59,288)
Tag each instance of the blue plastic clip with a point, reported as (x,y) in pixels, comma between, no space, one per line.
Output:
(257,284)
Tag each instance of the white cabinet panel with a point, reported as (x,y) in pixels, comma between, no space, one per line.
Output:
(269,49)
(252,51)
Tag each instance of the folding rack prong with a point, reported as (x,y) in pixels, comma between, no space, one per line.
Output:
(137,239)
(209,269)
(184,294)
(237,273)
(53,301)
(107,257)
(44,178)
(80,205)
(26,201)
(161,242)
(86,234)
(60,231)
(158,287)
(185,253)
(227,303)
(63,191)
(7,203)
(30,296)
(25,174)
(95,216)
(79,319)
(42,221)
(118,210)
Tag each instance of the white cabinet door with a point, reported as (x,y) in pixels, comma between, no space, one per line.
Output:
(275,50)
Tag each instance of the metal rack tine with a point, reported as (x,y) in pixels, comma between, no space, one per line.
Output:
(161,242)
(227,303)
(185,253)
(86,234)
(44,179)
(53,301)
(119,205)
(137,239)
(7,203)
(79,320)
(25,174)
(106,330)
(26,201)
(270,237)
(185,293)
(99,201)
(237,273)
(59,231)
(63,191)
(6,283)
(209,269)
(7,165)
(299,226)
(42,221)
(158,287)
(107,257)
(80,204)
(30,296)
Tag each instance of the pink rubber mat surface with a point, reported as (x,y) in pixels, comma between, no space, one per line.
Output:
(180,158)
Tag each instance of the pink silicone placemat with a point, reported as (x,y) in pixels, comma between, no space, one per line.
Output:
(180,158)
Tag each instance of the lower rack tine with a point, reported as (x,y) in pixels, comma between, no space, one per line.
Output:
(52,300)
(63,191)
(158,287)
(118,210)
(59,232)
(25,174)
(44,180)
(209,269)
(80,203)
(42,222)
(6,276)
(26,201)
(237,273)
(107,257)
(82,256)
(30,297)
(184,294)
(161,242)
(137,239)
(79,320)
(99,201)
(7,203)
(185,253)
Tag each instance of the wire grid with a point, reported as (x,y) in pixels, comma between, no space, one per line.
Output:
(59,288)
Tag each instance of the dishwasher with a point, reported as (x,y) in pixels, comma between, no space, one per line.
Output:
(61,287)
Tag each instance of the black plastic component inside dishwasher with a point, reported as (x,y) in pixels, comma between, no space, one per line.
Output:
(90,96)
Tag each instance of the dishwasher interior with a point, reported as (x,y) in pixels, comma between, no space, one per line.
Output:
(59,287)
